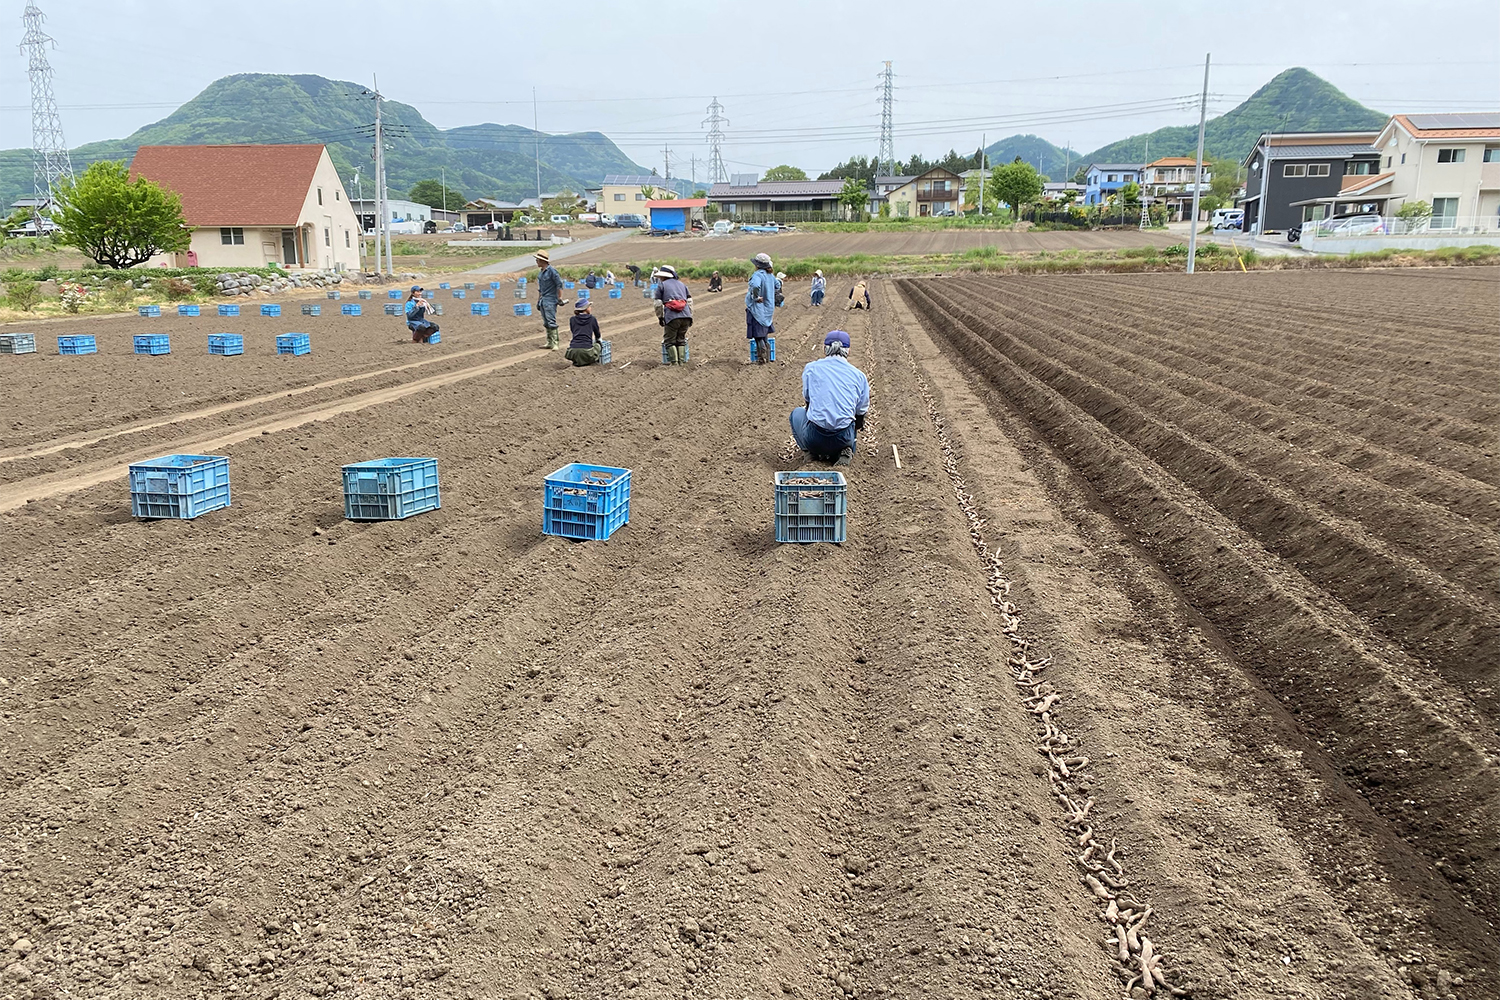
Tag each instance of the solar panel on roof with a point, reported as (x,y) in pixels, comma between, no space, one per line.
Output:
(1472,119)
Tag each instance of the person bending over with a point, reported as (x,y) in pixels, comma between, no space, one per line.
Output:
(674,309)
(836,397)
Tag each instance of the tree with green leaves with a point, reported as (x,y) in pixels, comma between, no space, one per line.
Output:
(1223,179)
(1016,183)
(854,197)
(430,192)
(785,172)
(700,192)
(565,202)
(118,222)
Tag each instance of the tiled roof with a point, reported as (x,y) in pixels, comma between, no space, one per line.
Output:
(1319,152)
(233,185)
(777,189)
(1174,161)
(1457,126)
(1115,166)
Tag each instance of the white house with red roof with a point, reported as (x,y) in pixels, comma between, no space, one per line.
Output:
(249,206)
(1449,161)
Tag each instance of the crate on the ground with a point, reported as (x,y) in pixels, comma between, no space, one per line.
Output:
(686,353)
(17,343)
(811,506)
(293,343)
(770,343)
(469,285)
(585,502)
(226,343)
(605,352)
(228,310)
(436,338)
(179,486)
(190,310)
(335,295)
(486,294)
(312,310)
(437,310)
(522,281)
(270,309)
(393,309)
(394,293)
(459,293)
(152,311)
(153,343)
(78,343)
(522,308)
(350,309)
(520,293)
(444,284)
(616,293)
(567,284)
(583,295)
(620,285)
(480,309)
(494,285)
(365,293)
(389,489)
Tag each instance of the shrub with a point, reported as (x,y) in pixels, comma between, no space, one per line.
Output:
(1175,250)
(173,289)
(72,297)
(23,295)
(118,292)
(47,272)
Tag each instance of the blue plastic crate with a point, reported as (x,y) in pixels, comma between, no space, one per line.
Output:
(522,308)
(229,310)
(586,489)
(436,338)
(620,285)
(179,486)
(351,309)
(153,343)
(770,342)
(312,310)
(17,343)
(494,286)
(605,352)
(335,295)
(77,344)
(480,309)
(583,527)
(444,284)
(567,284)
(469,285)
(226,343)
(389,489)
(583,295)
(486,294)
(190,310)
(521,281)
(520,293)
(393,309)
(437,310)
(149,310)
(365,293)
(293,343)
(616,293)
(686,353)
(811,506)
(270,309)
(394,293)
(459,293)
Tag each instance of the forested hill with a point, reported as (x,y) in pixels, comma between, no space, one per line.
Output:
(1056,162)
(481,160)
(1295,100)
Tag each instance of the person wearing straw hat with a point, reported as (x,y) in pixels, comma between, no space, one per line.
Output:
(548,295)
(674,309)
(585,348)
(819,288)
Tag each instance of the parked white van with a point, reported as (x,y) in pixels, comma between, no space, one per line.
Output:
(1228,218)
(723,226)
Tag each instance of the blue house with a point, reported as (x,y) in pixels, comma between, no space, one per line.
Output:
(674,215)
(1104,179)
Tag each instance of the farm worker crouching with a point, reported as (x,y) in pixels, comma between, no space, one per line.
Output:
(819,287)
(780,298)
(716,282)
(609,278)
(592,281)
(760,307)
(859,297)
(836,397)
(584,348)
(674,308)
(417,311)
(548,295)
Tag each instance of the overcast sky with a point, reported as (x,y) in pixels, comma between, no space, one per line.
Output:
(797,80)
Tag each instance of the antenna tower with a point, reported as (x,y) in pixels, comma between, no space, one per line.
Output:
(49,150)
(887,154)
(716,122)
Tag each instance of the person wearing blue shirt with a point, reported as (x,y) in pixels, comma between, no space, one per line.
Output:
(548,295)
(760,307)
(836,397)
(417,311)
(819,288)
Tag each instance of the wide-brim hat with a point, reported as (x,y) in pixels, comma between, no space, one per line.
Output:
(542,256)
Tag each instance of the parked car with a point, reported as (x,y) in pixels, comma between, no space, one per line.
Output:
(1228,218)
(630,221)
(605,219)
(561,220)
(459,227)
(1349,225)
(723,226)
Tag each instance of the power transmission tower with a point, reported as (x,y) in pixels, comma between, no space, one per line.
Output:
(50,159)
(716,122)
(887,154)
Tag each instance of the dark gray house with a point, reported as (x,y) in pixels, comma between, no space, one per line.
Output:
(1288,172)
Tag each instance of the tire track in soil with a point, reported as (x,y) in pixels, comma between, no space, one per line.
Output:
(1368,700)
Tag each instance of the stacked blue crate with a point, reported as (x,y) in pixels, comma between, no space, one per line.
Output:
(152,311)
(312,310)
(480,309)
(350,309)
(293,343)
(190,310)
(394,293)
(771,343)
(522,308)
(811,506)
(17,343)
(567,284)
(393,309)
(585,502)
(365,293)
(270,309)
(486,294)
(153,343)
(228,310)
(226,343)
(390,489)
(469,285)
(334,295)
(179,486)
(77,344)
(459,293)
(444,285)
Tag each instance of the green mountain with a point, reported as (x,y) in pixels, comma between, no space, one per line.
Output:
(1296,100)
(496,161)
(1056,162)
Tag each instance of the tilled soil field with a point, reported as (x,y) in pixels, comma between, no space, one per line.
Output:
(1163,662)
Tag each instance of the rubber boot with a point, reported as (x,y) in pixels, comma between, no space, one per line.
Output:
(551,338)
(846,457)
(675,352)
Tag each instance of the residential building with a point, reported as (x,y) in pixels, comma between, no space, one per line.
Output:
(1104,179)
(1449,161)
(1291,176)
(1169,181)
(249,206)
(366,210)
(1059,191)
(884,185)
(743,196)
(627,193)
(937,192)
(482,212)
(675,215)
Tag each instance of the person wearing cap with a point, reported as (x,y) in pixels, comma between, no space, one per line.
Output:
(835,397)
(760,307)
(716,282)
(584,349)
(548,295)
(417,311)
(674,310)
(819,288)
(859,297)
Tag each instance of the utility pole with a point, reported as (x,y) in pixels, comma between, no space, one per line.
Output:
(444,171)
(1198,170)
(666,162)
(716,122)
(49,151)
(693,169)
(536,149)
(983,140)
(887,154)
(379,177)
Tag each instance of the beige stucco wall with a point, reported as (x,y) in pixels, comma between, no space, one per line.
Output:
(333,216)
(1423,178)
(903,201)
(634,203)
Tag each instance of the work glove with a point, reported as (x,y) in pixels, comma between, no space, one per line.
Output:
(859,421)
